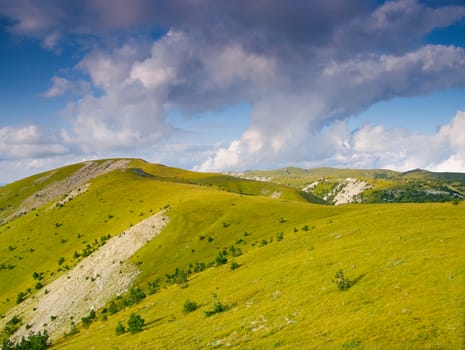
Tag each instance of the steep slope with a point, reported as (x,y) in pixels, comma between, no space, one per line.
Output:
(98,278)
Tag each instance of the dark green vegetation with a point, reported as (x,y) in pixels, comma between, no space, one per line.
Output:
(237,267)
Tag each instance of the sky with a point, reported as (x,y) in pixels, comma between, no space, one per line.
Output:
(232,85)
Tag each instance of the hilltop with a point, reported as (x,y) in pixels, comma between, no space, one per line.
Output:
(211,261)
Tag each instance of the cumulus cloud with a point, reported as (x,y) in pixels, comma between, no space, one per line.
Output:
(304,67)
(28,142)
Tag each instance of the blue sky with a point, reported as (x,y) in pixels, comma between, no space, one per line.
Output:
(232,85)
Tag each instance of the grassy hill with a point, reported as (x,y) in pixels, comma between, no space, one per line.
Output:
(262,255)
(378,185)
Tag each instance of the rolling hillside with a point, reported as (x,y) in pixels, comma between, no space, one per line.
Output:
(214,261)
(342,186)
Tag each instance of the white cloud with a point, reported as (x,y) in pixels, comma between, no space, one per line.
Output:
(304,70)
(61,86)
(28,142)
(371,146)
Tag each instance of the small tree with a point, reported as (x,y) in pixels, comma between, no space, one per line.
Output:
(341,282)
(135,323)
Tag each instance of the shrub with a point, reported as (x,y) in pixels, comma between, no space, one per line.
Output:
(154,286)
(341,282)
(120,328)
(61,260)
(234,251)
(221,259)
(217,306)
(136,295)
(305,228)
(179,277)
(234,265)
(113,308)
(12,325)
(73,330)
(135,323)
(190,306)
(279,236)
(37,341)
(38,285)
(87,320)
(199,267)
(20,297)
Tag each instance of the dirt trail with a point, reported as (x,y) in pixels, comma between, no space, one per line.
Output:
(87,172)
(89,285)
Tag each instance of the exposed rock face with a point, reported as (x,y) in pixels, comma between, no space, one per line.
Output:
(349,191)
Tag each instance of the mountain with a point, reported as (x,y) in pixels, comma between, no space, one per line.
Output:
(90,250)
(342,186)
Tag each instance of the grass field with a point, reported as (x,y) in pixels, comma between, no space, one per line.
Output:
(404,261)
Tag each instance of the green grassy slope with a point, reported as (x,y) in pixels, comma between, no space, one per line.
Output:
(405,262)
(414,186)
(113,202)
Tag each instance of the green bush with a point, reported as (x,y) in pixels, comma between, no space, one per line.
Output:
(154,286)
(12,325)
(135,323)
(136,295)
(234,251)
(234,265)
(217,306)
(37,341)
(179,277)
(87,320)
(221,259)
(113,308)
(120,328)
(190,306)
(342,283)
(20,297)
